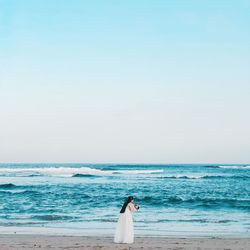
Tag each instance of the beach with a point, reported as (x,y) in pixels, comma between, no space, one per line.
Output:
(124,121)
(27,242)
(76,206)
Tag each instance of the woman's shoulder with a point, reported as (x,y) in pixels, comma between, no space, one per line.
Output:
(131,207)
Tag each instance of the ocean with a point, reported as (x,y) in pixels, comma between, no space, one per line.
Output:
(85,199)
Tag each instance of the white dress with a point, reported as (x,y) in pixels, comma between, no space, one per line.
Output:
(125,229)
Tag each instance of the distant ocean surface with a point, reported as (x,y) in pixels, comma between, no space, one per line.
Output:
(85,199)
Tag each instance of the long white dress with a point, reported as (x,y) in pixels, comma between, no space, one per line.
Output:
(125,229)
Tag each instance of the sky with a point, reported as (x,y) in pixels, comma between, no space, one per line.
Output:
(133,81)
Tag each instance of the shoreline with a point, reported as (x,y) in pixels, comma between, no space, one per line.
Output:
(55,242)
(107,233)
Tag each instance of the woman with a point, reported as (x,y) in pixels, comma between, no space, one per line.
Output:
(125,229)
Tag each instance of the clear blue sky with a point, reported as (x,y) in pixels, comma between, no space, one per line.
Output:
(125,81)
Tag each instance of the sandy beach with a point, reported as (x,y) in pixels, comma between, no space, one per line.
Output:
(27,242)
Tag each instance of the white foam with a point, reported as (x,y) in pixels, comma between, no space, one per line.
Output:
(192,176)
(137,171)
(53,171)
(68,172)
(236,167)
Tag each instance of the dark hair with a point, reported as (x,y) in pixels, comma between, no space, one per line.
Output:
(129,199)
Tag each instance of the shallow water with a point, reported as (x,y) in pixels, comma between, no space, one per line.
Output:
(86,198)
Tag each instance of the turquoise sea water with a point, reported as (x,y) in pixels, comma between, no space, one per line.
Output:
(86,198)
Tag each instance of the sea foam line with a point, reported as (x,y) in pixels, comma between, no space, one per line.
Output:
(236,167)
(63,171)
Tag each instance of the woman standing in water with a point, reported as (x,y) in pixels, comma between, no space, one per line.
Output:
(125,229)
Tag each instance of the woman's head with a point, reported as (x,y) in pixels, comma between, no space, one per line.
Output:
(130,199)
(127,201)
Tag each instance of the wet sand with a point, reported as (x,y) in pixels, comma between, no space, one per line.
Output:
(43,242)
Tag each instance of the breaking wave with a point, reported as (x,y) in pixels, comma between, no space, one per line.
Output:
(203,177)
(70,172)
(236,167)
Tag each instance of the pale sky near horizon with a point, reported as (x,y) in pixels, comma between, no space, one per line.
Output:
(125,81)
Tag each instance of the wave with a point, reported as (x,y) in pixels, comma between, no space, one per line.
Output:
(196,220)
(228,166)
(9,224)
(198,202)
(52,171)
(137,171)
(52,217)
(210,166)
(202,177)
(21,193)
(236,167)
(7,186)
(86,175)
(181,177)
(131,166)
(161,220)
(69,172)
